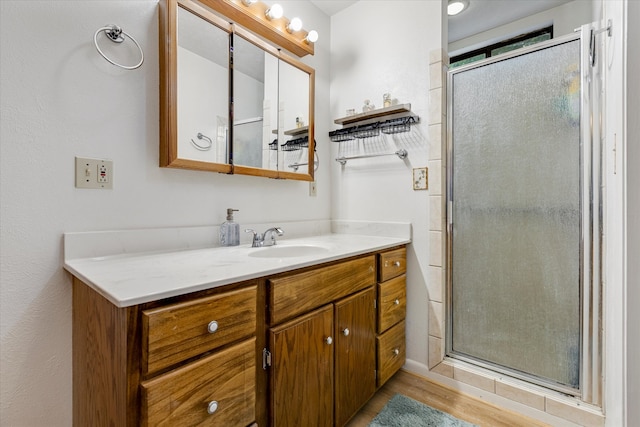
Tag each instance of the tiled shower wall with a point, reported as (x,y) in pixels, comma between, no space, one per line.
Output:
(438,61)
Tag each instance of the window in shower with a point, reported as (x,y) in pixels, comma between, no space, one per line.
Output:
(504,46)
(515,215)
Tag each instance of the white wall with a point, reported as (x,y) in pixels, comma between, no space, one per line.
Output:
(61,99)
(614,171)
(633,212)
(379,47)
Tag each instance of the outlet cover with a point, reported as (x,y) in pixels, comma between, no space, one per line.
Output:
(420,179)
(94,173)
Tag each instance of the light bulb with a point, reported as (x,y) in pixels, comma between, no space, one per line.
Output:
(294,25)
(274,12)
(312,37)
(456,6)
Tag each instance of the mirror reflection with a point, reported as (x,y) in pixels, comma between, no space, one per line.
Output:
(294,85)
(202,89)
(255,100)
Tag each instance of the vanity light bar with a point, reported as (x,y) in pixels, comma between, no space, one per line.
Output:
(252,15)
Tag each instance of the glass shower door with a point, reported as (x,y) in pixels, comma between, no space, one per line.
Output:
(515,214)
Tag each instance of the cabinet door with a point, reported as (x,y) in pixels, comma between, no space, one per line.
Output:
(302,370)
(355,354)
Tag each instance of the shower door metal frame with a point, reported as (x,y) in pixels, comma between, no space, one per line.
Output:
(590,294)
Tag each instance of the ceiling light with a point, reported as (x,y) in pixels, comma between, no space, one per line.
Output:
(456,6)
(294,25)
(274,12)
(312,37)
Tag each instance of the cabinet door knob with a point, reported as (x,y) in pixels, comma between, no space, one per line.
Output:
(397,302)
(345,332)
(396,352)
(212,407)
(396,263)
(328,340)
(212,327)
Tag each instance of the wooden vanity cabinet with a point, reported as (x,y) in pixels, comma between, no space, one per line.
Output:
(323,353)
(302,348)
(392,308)
(189,360)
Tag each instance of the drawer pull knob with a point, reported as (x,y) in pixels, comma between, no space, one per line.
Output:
(345,332)
(212,407)
(212,327)
(328,340)
(396,352)
(396,264)
(397,302)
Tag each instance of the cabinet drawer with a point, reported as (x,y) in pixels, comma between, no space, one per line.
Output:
(392,264)
(185,396)
(299,293)
(180,331)
(391,352)
(392,302)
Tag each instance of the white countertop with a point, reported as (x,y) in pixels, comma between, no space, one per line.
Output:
(128,279)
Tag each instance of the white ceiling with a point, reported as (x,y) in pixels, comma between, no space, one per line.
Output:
(331,7)
(481,15)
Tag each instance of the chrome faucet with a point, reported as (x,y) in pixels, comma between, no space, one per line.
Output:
(268,238)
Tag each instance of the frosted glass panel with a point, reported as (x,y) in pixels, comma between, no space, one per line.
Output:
(515,238)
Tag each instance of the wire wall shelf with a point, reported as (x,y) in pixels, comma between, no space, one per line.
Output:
(399,119)
(291,145)
(300,142)
(295,144)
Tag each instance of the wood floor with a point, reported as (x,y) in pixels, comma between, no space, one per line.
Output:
(443,398)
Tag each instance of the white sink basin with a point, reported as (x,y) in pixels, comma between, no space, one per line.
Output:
(288,251)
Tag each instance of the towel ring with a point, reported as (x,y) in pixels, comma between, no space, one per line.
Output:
(115,34)
(202,147)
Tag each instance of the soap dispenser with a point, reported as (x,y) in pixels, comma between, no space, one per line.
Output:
(229,230)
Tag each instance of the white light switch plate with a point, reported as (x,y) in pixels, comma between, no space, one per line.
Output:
(94,173)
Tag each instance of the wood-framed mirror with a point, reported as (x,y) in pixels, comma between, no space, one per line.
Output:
(194,87)
(230,102)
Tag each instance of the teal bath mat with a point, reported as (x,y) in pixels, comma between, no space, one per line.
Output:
(401,411)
